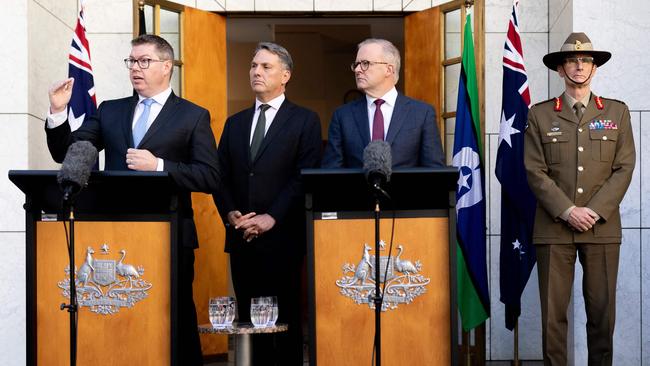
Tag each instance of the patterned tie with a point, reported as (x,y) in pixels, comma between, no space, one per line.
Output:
(258,134)
(578,108)
(140,127)
(378,122)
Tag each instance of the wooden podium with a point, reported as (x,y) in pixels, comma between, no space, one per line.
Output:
(125,255)
(419,324)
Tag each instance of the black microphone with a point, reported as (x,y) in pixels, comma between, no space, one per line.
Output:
(76,167)
(377,163)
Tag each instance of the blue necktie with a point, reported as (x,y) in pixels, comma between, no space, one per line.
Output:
(140,127)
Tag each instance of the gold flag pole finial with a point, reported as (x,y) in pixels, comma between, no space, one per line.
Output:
(141,4)
(469,4)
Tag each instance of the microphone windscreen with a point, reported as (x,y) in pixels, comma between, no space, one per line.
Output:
(377,159)
(78,163)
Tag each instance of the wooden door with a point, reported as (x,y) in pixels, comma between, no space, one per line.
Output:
(203,51)
(423,32)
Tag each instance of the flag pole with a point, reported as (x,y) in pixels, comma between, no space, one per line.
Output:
(516,346)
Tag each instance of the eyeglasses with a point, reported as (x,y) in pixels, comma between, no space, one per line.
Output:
(574,60)
(144,63)
(365,64)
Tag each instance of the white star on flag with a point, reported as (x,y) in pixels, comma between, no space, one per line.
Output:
(506,129)
(462,180)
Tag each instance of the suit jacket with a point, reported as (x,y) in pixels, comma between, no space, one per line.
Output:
(180,135)
(583,163)
(413,135)
(271,183)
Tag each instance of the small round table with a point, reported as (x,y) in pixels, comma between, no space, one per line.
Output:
(242,332)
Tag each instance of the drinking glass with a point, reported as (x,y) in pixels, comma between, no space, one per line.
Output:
(222,311)
(260,311)
(273,303)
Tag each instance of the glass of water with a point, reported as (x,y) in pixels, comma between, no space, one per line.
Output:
(273,303)
(222,311)
(260,311)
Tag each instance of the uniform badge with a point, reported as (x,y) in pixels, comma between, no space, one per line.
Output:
(603,124)
(557,133)
(554,129)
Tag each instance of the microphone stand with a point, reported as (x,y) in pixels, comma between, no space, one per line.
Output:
(72,307)
(378,299)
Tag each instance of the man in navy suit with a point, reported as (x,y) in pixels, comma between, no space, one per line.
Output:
(408,125)
(152,131)
(261,152)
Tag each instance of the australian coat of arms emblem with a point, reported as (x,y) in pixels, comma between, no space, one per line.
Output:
(106,285)
(402,279)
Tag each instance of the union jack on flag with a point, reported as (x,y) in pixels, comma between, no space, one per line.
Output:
(517,255)
(82,103)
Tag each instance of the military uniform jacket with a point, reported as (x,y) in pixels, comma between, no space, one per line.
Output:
(585,163)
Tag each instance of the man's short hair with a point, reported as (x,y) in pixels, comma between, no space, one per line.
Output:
(391,53)
(163,48)
(278,50)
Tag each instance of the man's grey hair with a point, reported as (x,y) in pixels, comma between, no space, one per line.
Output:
(278,50)
(391,53)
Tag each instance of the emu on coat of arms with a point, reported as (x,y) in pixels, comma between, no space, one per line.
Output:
(104,285)
(401,278)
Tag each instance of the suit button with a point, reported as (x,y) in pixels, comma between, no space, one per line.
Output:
(604,138)
(580,190)
(581,149)
(581,168)
(579,129)
(251,174)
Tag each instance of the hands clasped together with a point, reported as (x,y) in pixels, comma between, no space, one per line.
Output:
(251,225)
(582,218)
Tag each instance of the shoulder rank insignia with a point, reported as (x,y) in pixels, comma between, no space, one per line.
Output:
(558,105)
(599,103)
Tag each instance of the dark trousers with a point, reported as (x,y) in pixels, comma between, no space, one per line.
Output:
(555,265)
(271,274)
(187,336)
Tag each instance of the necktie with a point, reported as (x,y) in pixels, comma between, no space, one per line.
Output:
(258,134)
(578,108)
(378,121)
(140,127)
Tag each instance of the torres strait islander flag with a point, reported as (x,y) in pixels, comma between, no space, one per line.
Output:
(473,295)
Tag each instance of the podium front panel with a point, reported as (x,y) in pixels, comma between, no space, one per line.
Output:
(415,333)
(135,335)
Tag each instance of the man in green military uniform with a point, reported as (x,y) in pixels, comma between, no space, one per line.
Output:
(579,157)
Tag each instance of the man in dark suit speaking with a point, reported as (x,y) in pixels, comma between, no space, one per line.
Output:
(261,152)
(408,125)
(152,131)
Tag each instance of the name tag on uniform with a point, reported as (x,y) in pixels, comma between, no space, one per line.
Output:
(556,133)
(603,124)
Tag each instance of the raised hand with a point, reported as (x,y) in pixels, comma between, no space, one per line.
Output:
(60,94)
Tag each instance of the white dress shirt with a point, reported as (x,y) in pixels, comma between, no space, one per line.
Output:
(386,109)
(270,113)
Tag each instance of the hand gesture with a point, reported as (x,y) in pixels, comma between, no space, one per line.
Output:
(60,93)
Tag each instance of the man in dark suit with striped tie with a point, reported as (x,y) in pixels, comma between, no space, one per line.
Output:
(261,152)
(408,125)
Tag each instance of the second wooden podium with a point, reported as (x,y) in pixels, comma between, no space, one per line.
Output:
(419,321)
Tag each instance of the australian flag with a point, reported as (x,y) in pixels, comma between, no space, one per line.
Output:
(82,103)
(517,201)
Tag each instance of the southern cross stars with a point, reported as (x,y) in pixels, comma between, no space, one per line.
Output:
(506,130)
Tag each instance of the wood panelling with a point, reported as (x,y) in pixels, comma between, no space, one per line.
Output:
(413,334)
(139,335)
(203,52)
(423,59)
